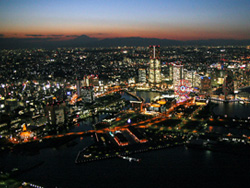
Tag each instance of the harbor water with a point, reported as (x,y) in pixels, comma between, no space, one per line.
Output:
(170,167)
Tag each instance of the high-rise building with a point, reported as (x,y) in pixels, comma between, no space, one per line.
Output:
(56,113)
(93,80)
(221,76)
(90,80)
(228,86)
(205,83)
(177,74)
(189,76)
(78,87)
(88,94)
(202,83)
(164,72)
(154,65)
(2,105)
(214,77)
(142,75)
(85,81)
(10,105)
(170,66)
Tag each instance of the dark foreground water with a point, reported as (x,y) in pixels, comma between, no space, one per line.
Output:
(232,109)
(171,167)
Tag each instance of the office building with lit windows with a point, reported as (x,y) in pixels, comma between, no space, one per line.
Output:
(142,75)
(56,113)
(177,74)
(154,65)
(205,83)
(189,76)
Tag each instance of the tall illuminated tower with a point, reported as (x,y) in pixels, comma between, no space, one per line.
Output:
(177,74)
(142,75)
(154,65)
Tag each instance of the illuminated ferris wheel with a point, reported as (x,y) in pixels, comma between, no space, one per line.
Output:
(183,88)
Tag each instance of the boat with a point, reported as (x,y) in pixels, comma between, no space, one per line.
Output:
(242,102)
(130,159)
(87,155)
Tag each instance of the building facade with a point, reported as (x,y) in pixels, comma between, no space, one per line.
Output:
(177,74)
(142,76)
(56,113)
(154,65)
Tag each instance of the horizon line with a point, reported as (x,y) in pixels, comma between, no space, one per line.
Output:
(54,37)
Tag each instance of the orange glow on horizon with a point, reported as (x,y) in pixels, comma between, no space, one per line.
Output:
(107,32)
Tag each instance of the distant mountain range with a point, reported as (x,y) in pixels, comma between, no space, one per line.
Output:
(85,41)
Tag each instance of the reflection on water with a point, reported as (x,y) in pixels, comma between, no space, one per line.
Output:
(146,95)
(160,168)
(226,130)
(153,171)
(232,109)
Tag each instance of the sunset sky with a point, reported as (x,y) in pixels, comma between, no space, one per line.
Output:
(170,19)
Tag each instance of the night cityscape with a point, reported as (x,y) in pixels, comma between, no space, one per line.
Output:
(124,93)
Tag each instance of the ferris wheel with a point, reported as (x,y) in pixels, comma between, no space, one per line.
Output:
(183,89)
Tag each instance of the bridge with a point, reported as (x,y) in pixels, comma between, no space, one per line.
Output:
(142,124)
(133,95)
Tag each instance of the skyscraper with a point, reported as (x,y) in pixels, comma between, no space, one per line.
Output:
(177,74)
(228,86)
(154,65)
(78,87)
(56,113)
(142,75)
(189,76)
(205,83)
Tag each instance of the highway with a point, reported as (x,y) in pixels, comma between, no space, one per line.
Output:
(142,124)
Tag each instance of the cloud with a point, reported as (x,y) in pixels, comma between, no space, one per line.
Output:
(97,34)
(39,35)
(37,39)
(56,35)
(49,36)
(72,36)
(31,35)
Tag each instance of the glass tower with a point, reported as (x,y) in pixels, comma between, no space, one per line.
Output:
(154,65)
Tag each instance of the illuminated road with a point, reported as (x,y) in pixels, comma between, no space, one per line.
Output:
(142,124)
(110,91)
